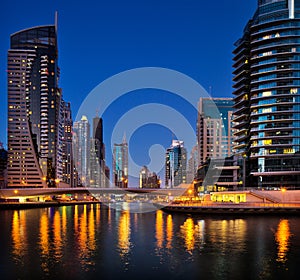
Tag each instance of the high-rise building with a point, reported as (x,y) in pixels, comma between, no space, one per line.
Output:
(3,166)
(214,128)
(175,164)
(82,150)
(192,166)
(148,179)
(267,101)
(98,164)
(35,157)
(120,164)
(70,176)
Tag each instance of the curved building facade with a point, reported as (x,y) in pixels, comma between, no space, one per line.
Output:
(34,109)
(267,96)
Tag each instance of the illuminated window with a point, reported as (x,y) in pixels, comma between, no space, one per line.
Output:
(267,93)
(289,151)
(272,151)
(267,37)
(293,90)
(267,53)
(267,142)
(267,110)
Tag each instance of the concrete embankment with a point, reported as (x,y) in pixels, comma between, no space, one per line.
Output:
(274,209)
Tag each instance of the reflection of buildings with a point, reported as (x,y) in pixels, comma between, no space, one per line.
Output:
(82,149)
(124,234)
(34,109)
(3,166)
(266,90)
(282,237)
(148,179)
(120,164)
(175,164)
(214,131)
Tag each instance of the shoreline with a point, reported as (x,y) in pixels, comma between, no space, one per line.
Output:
(226,209)
(33,205)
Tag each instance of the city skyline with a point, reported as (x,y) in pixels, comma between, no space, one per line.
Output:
(177,52)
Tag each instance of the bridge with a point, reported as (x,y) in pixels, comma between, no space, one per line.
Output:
(40,192)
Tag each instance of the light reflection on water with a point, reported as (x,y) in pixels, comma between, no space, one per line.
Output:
(91,239)
(282,236)
(18,233)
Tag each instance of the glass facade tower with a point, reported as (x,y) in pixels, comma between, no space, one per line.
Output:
(267,95)
(120,164)
(35,131)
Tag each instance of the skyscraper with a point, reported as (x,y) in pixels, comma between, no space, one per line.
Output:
(3,166)
(192,165)
(82,150)
(267,101)
(98,164)
(148,179)
(120,164)
(70,176)
(175,164)
(34,109)
(214,128)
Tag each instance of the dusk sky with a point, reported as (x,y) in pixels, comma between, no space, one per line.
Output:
(98,39)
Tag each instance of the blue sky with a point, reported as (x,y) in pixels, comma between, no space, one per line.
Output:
(98,39)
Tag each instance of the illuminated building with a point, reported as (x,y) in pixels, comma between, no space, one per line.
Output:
(120,164)
(70,176)
(214,129)
(148,179)
(81,142)
(35,128)
(3,166)
(192,165)
(175,164)
(267,101)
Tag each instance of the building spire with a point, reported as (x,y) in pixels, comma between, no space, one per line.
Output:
(56,21)
(124,138)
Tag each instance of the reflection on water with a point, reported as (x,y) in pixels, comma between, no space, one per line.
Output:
(18,232)
(282,237)
(124,233)
(187,231)
(57,242)
(44,241)
(169,231)
(159,226)
(76,240)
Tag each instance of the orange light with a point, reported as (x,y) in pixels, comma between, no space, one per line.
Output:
(283,190)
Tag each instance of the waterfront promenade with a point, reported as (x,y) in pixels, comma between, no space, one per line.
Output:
(231,208)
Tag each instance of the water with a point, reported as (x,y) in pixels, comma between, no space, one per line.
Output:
(98,242)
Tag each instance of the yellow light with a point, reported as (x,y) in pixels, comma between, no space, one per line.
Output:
(16,191)
(57,181)
(283,190)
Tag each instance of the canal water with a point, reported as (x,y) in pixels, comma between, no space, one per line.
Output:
(99,242)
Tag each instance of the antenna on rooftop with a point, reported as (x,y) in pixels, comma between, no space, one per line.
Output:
(56,21)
